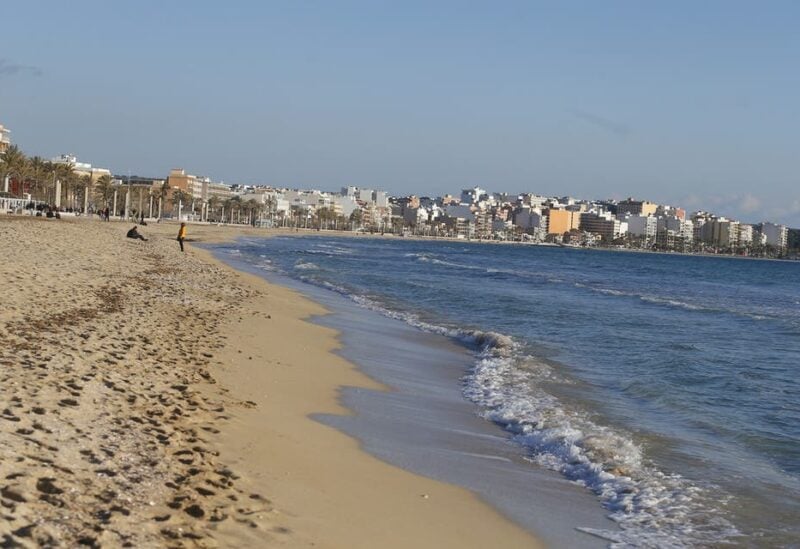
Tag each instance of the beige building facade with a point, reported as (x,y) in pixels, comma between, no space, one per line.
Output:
(562,221)
(635,207)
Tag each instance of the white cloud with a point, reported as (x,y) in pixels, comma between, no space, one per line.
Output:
(749,204)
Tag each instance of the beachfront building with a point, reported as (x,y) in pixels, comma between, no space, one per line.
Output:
(178,179)
(670,211)
(745,237)
(5,138)
(473,195)
(82,169)
(635,207)
(202,193)
(344,205)
(221,191)
(560,221)
(533,200)
(74,196)
(774,235)
(682,228)
(458,220)
(603,224)
(642,226)
(531,221)
(721,233)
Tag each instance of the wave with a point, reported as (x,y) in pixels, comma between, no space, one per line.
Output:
(652,508)
(329,250)
(306,266)
(677,303)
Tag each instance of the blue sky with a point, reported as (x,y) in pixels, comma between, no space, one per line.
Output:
(696,104)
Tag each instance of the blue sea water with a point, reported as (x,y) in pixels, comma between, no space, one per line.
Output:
(667,385)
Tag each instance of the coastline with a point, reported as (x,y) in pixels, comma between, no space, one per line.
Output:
(354,234)
(230,455)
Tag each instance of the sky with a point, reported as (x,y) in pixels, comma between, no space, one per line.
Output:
(694,104)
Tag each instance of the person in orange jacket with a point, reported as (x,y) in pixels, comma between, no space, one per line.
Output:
(181,234)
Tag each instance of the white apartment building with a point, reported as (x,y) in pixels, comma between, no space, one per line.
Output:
(721,232)
(530,218)
(776,235)
(745,235)
(534,200)
(677,226)
(472,196)
(644,226)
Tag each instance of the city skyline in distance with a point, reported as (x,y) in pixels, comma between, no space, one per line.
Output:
(689,105)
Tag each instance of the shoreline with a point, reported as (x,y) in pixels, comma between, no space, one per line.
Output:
(322,485)
(286,231)
(163,451)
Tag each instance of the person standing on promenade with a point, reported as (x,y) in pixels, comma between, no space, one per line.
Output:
(181,234)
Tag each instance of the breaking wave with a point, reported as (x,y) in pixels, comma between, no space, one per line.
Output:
(653,508)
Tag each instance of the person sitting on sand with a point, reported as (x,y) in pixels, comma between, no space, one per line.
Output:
(133,233)
(181,234)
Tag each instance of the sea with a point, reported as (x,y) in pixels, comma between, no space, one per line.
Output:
(600,398)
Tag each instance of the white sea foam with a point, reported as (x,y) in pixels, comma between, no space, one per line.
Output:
(674,303)
(328,249)
(306,266)
(653,508)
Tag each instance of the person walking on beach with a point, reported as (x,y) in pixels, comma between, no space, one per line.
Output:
(181,234)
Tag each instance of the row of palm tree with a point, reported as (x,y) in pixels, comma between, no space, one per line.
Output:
(36,176)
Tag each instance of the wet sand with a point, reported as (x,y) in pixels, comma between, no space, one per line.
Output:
(153,398)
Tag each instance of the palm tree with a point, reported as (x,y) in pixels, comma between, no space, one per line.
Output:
(179,198)
(163,191)
(234,202)
(269,204)
(38,172)
(13,163)
(50,181)
(65,171)
(82,183)
(213,203)
(250,207)
(104,189)
(355,219)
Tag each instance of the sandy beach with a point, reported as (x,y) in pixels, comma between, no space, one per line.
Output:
(153,398)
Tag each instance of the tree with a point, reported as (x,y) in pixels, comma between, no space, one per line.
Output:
(14,164)
(270,204)
(252,208)
(82,183)
(104,189)
(355,219)
(234,203)
(37,167)
(163,191)
(179,197)
(213,203)
(65,172)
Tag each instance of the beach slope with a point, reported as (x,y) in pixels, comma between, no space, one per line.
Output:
(150,397)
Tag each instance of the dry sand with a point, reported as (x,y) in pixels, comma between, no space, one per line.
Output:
(153,398)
